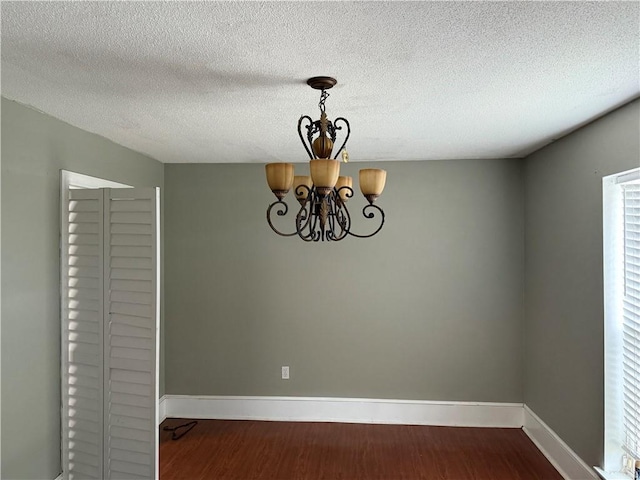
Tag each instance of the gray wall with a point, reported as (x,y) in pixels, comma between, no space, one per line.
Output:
(34,149)
(430,308)
(564,324)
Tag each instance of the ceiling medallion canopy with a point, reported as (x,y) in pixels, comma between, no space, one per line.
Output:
(323,195)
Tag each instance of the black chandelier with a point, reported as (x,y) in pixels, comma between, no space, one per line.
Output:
(323,195)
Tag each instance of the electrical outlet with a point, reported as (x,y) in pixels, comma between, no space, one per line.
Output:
(285,373)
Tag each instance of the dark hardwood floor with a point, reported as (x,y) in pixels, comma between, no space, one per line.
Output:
(243,450)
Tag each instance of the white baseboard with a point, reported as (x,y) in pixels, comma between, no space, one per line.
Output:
(565,460)
(347,410)
(59,477)
(162,409)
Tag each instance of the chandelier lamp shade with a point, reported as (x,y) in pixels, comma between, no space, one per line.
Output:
(324,193)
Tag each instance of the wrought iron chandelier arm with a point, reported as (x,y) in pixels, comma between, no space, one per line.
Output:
(370,215)
(331,130)
(339,218)
(306,219)
(314,233)
(331,218)
(305,215)
(348,193)
(346,138)
(342,215)
(300,191)
(309,236)
(308,127)
(281,211)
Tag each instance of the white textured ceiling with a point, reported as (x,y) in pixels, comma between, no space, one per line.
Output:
(225,81)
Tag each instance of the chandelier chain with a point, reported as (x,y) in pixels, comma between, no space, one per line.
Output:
(323,98)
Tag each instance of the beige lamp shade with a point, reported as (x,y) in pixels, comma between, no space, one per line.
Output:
(372,181)
(279,177)
(324,172)
(344,182)
(302,180)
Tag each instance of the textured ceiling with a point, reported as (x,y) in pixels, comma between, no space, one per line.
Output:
(225,81)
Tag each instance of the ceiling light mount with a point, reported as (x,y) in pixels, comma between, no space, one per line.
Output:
(323,195)
(322,83)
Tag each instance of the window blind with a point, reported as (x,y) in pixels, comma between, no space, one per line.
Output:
(631,319)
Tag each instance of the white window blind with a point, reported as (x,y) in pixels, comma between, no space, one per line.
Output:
(621,267)
(631,318)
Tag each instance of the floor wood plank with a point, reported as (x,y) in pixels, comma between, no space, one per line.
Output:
(243,450)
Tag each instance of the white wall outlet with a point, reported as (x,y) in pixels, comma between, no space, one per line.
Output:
(285,373)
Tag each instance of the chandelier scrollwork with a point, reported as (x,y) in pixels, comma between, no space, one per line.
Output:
(323,195)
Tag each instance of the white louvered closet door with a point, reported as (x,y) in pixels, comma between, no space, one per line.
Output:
(110,322)
(131,333)
(82,335)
